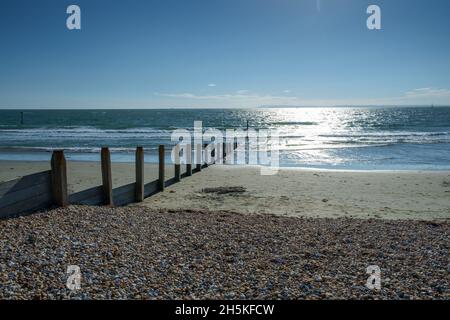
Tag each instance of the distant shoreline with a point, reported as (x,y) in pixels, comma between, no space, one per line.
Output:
(37,108)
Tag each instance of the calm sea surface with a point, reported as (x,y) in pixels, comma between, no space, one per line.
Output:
(331,138)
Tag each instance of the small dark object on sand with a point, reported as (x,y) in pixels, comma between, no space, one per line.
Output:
(224,190)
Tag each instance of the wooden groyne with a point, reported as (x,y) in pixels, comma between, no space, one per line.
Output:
(48,189)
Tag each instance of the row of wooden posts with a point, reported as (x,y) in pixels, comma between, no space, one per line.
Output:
(59,172)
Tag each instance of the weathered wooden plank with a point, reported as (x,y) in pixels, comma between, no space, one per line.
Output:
(198,157)
(107,176)
(25,194)
(139,174)
(59,178)
(188,161)
(188,172)
(151,188)
(161,167)
(126,189)
(177,172)
(177,168)
(97,200)
(224,151)
(185,175)
(94,201)
(209,155)
(40,202)
(171,181)
(124,195)
(25,182)
(229,153)
(93,195)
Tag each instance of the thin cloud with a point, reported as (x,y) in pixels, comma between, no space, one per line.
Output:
(212,85)
(420,96)
(428,92)
(237,96)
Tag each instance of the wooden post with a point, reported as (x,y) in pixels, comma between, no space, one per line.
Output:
(208,154)
(224,152)
(139,174)
(177,163)
(229,153)
(107,176)
(213,151)
(188,160)
(246,147)
(199,157)
(59,178)
(161,183)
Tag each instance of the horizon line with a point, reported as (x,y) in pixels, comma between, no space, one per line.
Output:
(218,108)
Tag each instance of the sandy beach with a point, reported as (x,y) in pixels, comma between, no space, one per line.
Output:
(293,192)
(314,193)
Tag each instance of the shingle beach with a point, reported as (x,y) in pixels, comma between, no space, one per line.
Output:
(138,253)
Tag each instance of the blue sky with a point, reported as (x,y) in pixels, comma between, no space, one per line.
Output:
(223,53)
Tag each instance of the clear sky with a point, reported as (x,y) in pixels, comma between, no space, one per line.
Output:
(223,53)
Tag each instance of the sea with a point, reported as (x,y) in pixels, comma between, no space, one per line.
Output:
(371,138)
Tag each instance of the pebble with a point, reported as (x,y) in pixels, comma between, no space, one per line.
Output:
(138,253)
